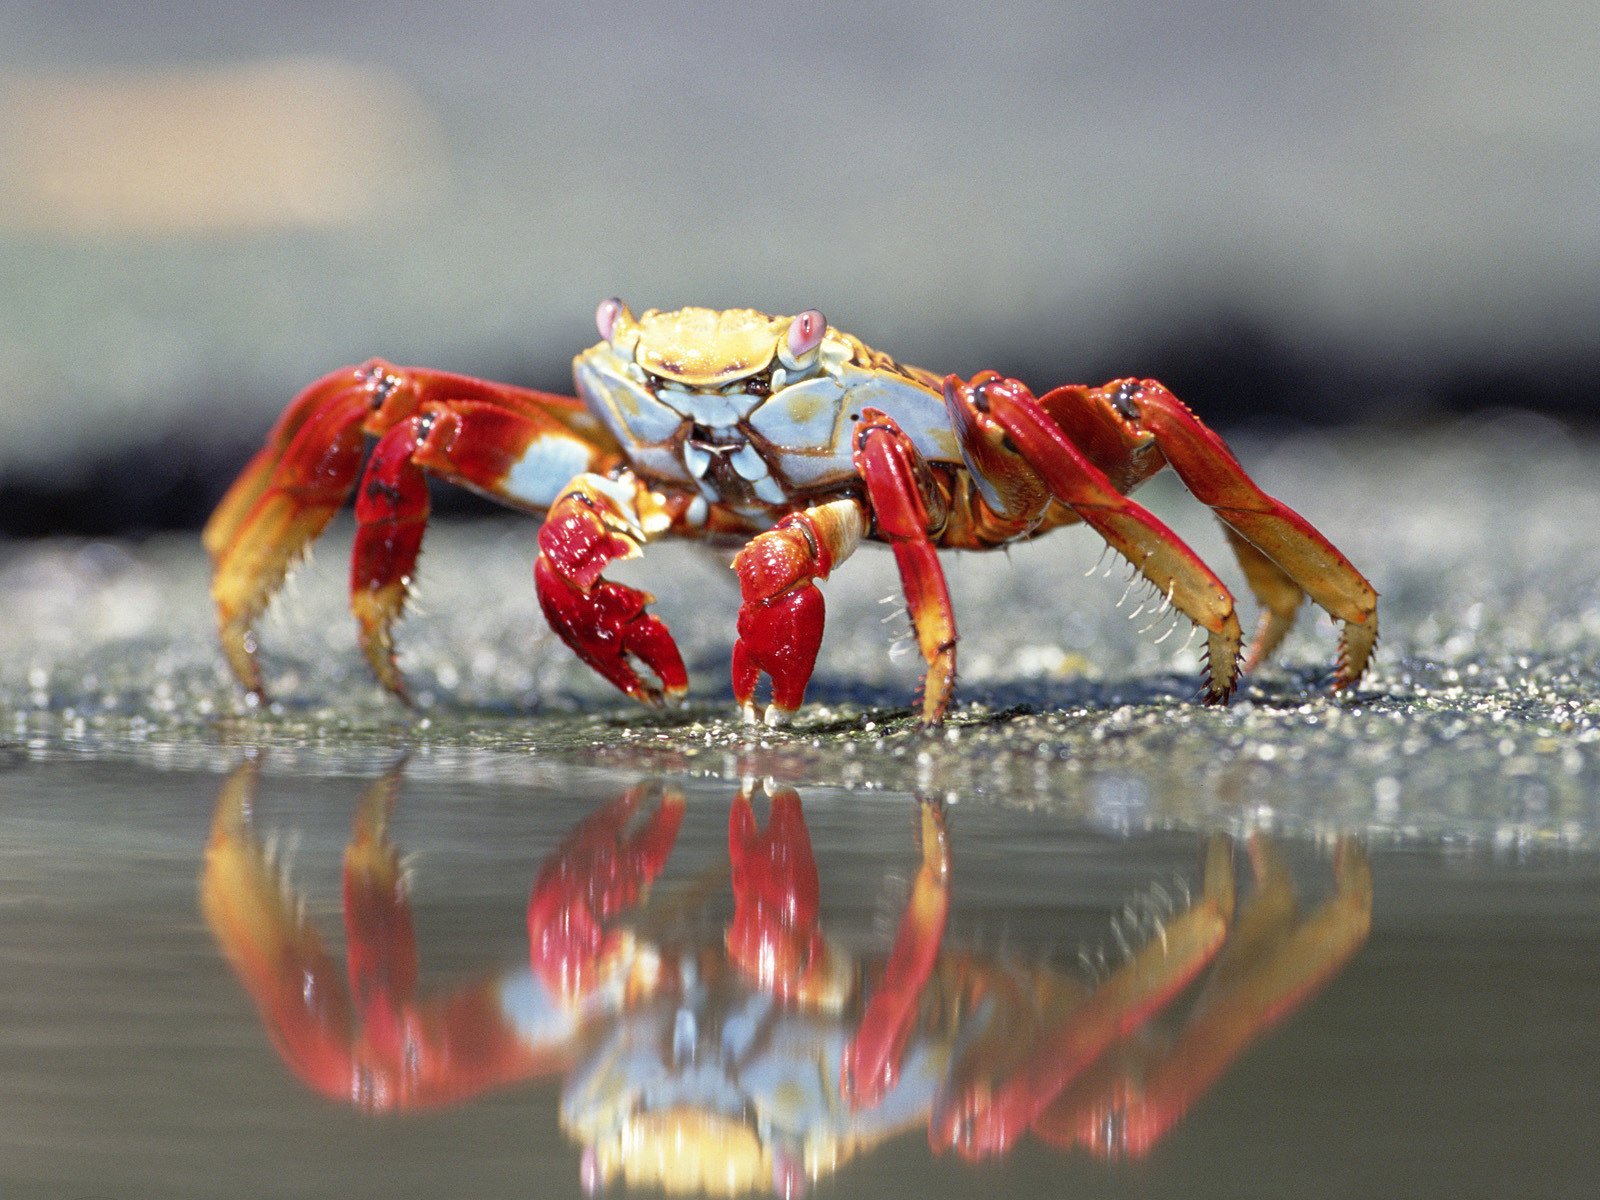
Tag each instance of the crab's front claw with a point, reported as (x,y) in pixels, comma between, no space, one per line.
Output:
(774,937)
(984,1117)
(591,524)
(286,496)
(261,928)
(871,1061)
(600,870)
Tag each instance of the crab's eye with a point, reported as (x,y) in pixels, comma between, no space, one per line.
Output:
(605,317)
(806,332)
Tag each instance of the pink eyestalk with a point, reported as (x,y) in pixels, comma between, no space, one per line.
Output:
(806,333)
(605,317)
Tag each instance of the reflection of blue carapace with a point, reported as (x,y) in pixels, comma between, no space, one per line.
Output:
(769,1056)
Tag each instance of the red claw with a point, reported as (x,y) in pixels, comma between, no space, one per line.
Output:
(773,937)
(598,872)
(604,623)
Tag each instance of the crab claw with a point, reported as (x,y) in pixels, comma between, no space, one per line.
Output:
(598,871)
(774,937)
(591,524)
(285,497)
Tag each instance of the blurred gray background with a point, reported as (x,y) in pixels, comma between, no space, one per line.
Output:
(1291,213)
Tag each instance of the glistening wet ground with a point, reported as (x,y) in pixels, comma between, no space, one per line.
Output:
(1456,1050)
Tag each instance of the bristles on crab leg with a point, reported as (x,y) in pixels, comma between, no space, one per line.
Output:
(1154,550)
(1298,553)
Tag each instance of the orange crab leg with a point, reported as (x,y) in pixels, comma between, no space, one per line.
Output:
(781,614)
(597,872)
(871,1062)
(277,507)
(1155,551)
(978,1123)
(1269,968)
(900,488)
(774,938)
(1207,468)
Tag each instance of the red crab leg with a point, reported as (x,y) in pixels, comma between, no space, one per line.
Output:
(597,872)
(781,614)
(595,521)
(1154,550)
(978,1122)
(522,458)
(773,937)
(1269,968)
(391,514)
(280,503)
(871,1062)
(1210,471)
(898,485)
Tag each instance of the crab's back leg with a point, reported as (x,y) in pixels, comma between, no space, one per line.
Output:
(1209,470)
(1154,550)
(781,609)
(900,487)
(282,500)
(520,457)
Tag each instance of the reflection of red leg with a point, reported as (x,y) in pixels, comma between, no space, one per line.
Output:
(981,1122)
(599,871)
(871,1063)
(1269,967)
(781,616)
(895,472)
(1132,531)
(774,937)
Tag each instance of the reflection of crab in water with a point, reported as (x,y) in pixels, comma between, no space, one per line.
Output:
(772,1057)
(786,435)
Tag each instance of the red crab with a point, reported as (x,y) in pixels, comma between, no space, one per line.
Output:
(782,433)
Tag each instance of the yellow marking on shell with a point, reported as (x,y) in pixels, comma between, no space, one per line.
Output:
(707,348)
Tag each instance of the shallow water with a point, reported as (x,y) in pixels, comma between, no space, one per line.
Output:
(1457,1052)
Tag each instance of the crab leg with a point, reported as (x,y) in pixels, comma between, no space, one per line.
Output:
(280,503)
(1207,468)
(781,614)
(1154,550)
(900,488)
(594,521)
(871,1062)
(522,458)
(517,445)
(979,1122)
(598,871)
(1269,968)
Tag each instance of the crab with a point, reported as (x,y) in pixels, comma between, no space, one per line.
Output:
(783,435)
(768,1053)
